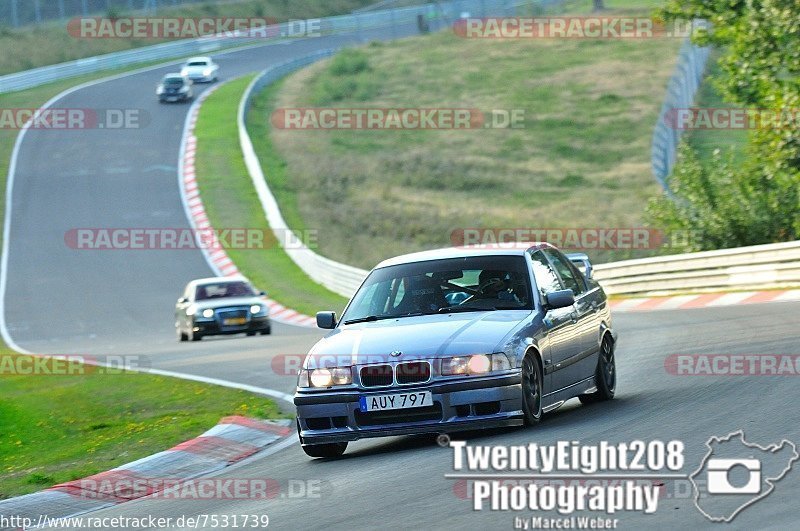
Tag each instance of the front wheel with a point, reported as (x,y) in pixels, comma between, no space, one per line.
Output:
(605,376)
(329,450)
(531,390)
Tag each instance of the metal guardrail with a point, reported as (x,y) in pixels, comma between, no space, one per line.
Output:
(681,92)
(774,265)
(339,278)
(756,267)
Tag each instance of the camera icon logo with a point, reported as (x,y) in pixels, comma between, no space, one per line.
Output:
(719,476)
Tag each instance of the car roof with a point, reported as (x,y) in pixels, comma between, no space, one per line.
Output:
(503,249)
(193,59)
(217,280)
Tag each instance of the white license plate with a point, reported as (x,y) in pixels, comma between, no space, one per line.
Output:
(396,401)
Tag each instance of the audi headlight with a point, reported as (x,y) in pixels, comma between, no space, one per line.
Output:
(208,313)
(325,377)
(475,364)
(258,309)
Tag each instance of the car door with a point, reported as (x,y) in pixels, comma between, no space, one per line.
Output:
(560,323)
(583,363)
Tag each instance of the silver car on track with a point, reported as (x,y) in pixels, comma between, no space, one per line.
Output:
(221,306)
(201,69)
(457,339)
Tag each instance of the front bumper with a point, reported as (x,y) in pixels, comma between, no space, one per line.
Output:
(165,98)
(466,404)
(200,78)
(214,328)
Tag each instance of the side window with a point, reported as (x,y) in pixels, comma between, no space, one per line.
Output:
(569,275)
(546,278)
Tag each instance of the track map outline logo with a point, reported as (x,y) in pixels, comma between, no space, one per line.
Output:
(721,501)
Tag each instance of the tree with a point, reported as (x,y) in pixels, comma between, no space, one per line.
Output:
(760,70)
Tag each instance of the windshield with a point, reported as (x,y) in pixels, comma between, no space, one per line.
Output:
(173,81)
(196,63)
(482,283)
(223,289)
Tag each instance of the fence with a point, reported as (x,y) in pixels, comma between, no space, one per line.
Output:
(388,23)
(681,92)
(16,13)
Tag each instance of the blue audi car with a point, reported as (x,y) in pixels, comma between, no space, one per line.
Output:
(457,339)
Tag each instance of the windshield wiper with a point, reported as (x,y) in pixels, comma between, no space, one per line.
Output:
(371,318)
(455,309)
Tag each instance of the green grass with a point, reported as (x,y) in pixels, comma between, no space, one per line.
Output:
(57,428)
(50,43)
(581,160)
(230,200)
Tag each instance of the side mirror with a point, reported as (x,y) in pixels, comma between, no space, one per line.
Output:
(183,300)
(262,293)
(559,299)
(326,320)
(582,262)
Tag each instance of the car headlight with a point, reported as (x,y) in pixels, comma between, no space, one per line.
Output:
(208,313)
(257,309)
(184,89)
(207,72)
(325,377)
(159,90)
(475,364)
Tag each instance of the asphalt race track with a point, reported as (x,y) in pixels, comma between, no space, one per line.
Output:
(60,300)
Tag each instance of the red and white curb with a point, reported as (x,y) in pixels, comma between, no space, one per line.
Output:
(232,440)
(217,258)
(704,300)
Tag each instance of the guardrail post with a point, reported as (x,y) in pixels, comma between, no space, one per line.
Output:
(14,14)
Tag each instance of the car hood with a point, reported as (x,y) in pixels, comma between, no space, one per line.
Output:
(229,301)
(429,336)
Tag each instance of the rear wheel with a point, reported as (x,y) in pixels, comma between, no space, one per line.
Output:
(605,376)
(531,390)
(329,450)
